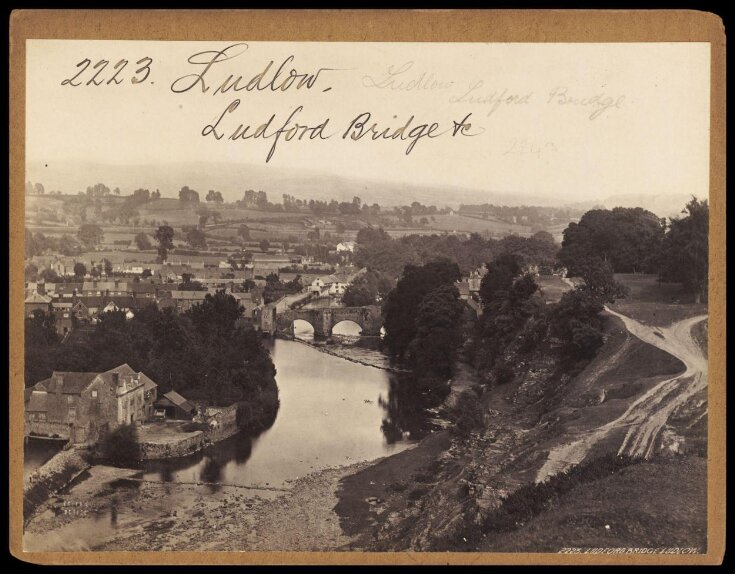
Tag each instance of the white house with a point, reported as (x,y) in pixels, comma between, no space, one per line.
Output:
(316,286)
(346,246)
(337,288)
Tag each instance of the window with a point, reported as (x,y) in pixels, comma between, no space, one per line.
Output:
(69,399)
(41,416)
(94,394)
(72,412)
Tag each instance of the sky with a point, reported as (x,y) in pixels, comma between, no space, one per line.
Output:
(576,122)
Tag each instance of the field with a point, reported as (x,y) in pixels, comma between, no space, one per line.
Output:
(552,287)
(654,303)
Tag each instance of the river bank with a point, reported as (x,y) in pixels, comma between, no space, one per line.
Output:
(206,498)
(359,355)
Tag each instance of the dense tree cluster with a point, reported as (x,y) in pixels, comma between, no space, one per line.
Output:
(376,250)
(203,354)
(188,195)
(535,216)
(214,196)
(685,249)
(402,304)
(509,298)
(90,235)
(275,289)
(367,289)
(628,238)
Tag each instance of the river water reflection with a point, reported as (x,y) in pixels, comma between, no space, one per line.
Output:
(333,412)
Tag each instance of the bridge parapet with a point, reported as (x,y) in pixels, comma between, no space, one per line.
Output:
(369,318)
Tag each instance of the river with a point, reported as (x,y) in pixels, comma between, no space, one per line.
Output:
(333,412)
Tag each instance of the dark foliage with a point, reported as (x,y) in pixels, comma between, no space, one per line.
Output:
(402,304)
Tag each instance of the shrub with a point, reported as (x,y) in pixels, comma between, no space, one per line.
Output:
(467,413)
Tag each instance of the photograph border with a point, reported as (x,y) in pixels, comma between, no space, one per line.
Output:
(537,26)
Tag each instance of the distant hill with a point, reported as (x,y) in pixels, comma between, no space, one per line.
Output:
(661,205)
(233,179)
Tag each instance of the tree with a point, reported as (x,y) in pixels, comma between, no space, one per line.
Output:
(142,241)
(576,321)
(248,285)
(685,249)
(164,235)
(357,296)
(499,277)
(188,195)
(116,191)
(244,232)
(69,246)
(371,235)
(340,228)
(433,350)
(39,189)
(90,235)
(80,270)
(401,306)
(599,280)
(196,238)
(626,237)
(50,276)
(214,196)
(107,267)
(29,188)
(265,245)
(31,245)
(41,343)
(31,272)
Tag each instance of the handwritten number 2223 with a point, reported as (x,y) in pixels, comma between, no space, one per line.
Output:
(97,76)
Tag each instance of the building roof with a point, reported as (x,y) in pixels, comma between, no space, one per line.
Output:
(68,288)
(147,382)
(178,400)
(37,402)
(36,297)
(72,383)
(190,295)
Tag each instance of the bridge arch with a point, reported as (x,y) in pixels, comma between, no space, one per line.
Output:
(301,328)
(347,327)
(369,319)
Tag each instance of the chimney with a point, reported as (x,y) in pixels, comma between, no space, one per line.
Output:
(59,380)
(41,288)
(116,379)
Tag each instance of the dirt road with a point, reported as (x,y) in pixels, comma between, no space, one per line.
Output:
(646,417)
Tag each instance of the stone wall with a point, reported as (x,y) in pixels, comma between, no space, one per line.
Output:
(186,445)
(226,418)
(47,428)
(48,479)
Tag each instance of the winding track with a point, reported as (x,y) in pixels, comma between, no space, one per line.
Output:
(646,417)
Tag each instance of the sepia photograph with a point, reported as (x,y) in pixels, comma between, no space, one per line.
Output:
(365,296)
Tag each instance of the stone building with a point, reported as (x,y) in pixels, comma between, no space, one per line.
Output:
(81,407)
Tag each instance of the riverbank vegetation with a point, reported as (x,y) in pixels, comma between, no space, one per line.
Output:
(204,353)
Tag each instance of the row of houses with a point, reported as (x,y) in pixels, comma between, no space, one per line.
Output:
(85,308)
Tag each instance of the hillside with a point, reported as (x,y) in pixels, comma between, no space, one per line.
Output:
(547,459)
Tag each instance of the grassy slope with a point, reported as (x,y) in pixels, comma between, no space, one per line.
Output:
(655,504)
(531,415)
(656,304)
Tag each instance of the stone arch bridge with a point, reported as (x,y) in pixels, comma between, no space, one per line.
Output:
(369,319)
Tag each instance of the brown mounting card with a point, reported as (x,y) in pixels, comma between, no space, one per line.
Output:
(436,29)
